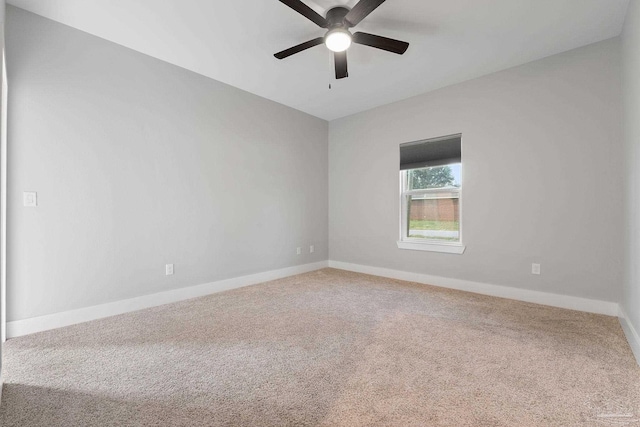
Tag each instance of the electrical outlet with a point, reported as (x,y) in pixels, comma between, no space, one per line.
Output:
(30,199)
(298,251)
(168,269)
(311,249)
(535,268)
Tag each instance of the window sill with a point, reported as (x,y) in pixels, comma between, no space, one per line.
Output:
(447,248)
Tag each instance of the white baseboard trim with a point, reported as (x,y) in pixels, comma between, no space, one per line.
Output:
(630,332)
(544,298)
(18,328)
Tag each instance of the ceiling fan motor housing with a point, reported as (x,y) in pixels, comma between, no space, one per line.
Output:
(335,17)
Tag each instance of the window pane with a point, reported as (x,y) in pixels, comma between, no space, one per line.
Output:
(434,217)
(434,177)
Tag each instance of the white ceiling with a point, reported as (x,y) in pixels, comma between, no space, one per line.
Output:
(234,41)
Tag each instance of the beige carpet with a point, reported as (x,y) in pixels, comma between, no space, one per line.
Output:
(328,348)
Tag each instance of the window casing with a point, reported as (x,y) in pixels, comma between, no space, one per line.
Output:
(430,195)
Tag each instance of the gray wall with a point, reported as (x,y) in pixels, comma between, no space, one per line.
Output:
(631,86)
(138,163)
(542,176)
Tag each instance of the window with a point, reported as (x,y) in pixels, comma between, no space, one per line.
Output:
(431,188)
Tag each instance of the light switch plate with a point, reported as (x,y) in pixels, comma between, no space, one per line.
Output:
(30,199)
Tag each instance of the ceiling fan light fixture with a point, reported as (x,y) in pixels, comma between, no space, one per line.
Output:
(338,40)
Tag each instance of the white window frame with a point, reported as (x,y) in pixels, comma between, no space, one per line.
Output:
(417,244)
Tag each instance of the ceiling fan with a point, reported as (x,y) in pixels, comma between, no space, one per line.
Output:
(338,37)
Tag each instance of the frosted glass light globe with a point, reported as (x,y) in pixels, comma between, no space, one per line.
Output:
(338,40)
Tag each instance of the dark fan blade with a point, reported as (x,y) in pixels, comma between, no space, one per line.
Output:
(340,59)
(306,11)
(299,48)
(361,10)
(379,42)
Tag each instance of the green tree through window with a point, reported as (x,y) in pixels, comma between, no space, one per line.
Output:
(434,177)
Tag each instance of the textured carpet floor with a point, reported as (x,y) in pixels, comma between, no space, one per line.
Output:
(328,348)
